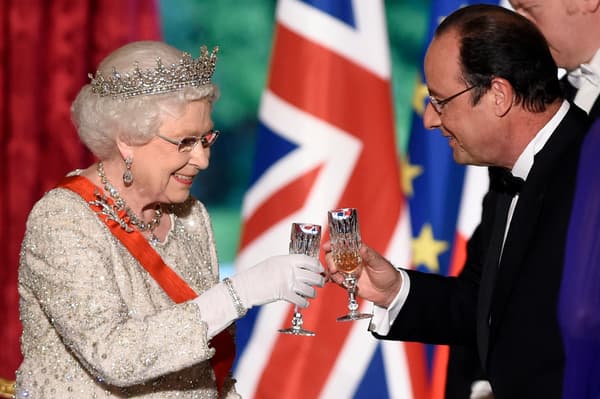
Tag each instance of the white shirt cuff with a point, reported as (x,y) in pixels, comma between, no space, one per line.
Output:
(481,389)
(383,318)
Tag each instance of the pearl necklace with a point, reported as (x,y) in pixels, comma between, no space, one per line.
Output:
(122,205)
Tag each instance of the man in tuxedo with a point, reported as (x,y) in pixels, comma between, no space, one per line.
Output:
(495,95)
(572,30)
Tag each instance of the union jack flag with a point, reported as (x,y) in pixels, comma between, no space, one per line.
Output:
(326,140)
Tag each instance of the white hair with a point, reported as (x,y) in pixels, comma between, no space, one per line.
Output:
(136,120)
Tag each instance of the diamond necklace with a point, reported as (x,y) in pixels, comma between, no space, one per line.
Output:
(122,205)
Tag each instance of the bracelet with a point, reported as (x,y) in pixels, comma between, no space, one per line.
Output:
(237,302)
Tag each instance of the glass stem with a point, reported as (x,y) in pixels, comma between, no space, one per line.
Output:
(351,285)
(297,319)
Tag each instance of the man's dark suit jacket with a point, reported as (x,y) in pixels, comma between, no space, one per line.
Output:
(525,357)
(463,364)
(595,110)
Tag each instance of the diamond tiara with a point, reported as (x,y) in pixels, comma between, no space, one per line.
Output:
(162,79)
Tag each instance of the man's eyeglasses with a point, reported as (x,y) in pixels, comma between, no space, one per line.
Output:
(438,105)
(187,144)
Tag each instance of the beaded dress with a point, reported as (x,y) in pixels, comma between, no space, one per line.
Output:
(96,324)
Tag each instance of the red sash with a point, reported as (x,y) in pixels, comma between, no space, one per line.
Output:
(177,289)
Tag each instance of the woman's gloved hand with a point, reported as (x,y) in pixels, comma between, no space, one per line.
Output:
(288,277)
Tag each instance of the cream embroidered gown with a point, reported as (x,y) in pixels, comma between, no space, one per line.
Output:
(96,324)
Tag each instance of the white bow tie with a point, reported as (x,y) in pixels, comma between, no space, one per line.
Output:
(585,72)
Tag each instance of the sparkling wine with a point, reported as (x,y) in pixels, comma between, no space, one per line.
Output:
(345,244)
(347,262)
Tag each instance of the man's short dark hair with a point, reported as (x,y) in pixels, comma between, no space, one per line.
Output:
(497,42)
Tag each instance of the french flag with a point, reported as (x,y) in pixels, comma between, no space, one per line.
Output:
(444,199)
(326,139)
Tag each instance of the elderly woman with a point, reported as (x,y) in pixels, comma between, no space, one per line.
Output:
(119,280)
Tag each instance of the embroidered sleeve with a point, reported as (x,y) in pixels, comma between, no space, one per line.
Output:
(75,277)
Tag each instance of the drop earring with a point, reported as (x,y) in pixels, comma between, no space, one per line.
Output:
(128,176)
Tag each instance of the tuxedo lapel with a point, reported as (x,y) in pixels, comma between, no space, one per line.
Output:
(523,227)
(489,273)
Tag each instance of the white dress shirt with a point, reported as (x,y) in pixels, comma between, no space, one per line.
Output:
(586,79)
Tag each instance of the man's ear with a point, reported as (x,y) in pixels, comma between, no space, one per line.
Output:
(502,96)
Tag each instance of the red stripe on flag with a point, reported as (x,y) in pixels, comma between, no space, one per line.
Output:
(283,203)
(459,254)
(415,354)
(442,353)
(299,367)
(334,89)
(439,372)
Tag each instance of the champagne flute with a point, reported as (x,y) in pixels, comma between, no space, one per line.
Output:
(304,239)
(345,245)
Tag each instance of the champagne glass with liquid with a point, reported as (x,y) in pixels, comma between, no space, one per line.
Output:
(304,239)
(345,245)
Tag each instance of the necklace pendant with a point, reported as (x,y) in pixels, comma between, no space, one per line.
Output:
(154,239)
(131,219)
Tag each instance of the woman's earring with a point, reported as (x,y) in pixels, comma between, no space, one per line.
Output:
(128,176)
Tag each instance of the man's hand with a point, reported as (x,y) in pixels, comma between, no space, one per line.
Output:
(379,282)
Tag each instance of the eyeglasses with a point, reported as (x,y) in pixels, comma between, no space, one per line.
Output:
(438,105)
(187,144)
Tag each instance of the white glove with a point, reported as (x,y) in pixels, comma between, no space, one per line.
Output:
(287,277)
